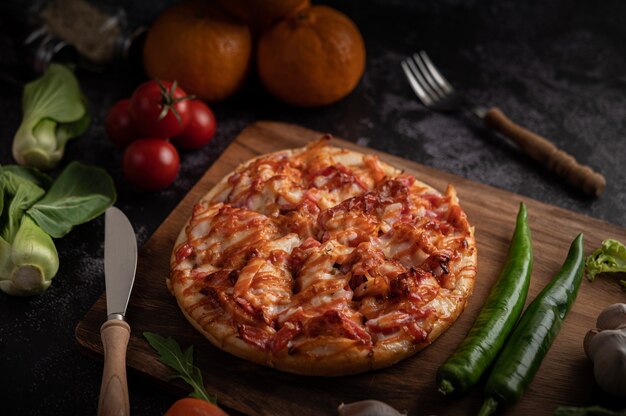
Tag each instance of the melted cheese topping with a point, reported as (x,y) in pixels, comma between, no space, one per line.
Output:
(316,252)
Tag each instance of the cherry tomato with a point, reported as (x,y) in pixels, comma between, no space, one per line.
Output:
(201,127)
(159,109)
(151,164)
(118,124)
(194,407)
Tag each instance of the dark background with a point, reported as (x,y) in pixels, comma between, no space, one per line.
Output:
(557,67)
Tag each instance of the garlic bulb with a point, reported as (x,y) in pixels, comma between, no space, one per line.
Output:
(367,408)
(608,352)
(606,347)
(612,317)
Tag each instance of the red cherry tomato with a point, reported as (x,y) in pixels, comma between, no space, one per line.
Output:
(118,124)
(201,127)
(151,164)
(194,407)
(159,109)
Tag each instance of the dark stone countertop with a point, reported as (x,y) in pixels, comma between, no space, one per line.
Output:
(557,67)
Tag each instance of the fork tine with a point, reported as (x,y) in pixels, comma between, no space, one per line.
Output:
(428,77)
(419,91)
(447,87)
(432,95)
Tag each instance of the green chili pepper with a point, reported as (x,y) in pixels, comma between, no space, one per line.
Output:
(532,337)
(497,318)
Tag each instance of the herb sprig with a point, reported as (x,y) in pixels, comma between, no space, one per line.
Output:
(172,355)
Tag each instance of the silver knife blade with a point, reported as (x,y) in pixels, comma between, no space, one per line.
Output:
(120,261)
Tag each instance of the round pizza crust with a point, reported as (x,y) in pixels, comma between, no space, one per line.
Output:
(351,361)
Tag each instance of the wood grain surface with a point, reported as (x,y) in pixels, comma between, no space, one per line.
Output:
(113,400)
(565,377)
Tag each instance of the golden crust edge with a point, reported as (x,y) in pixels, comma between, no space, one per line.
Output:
(330,366)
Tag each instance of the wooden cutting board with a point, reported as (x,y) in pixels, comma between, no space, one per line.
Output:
(565,378)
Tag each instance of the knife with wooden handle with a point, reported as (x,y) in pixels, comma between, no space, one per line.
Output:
(120,263)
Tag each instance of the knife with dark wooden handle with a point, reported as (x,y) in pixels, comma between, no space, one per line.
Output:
(120,263)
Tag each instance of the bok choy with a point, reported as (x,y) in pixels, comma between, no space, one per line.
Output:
(54,111)
(33,209)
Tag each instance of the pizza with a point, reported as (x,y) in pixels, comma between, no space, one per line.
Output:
(323,261)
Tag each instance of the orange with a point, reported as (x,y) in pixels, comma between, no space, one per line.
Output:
(313,58)
(204,49)
(260,14)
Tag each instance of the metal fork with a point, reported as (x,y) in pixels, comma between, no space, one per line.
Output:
(436,93)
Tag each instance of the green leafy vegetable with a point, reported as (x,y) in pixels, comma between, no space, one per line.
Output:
(79,194)
(29,217)
(54,112)
(28,265)
(609,258)
(34,175)
(587,411)
(19,194)
(171,355)
(28,258)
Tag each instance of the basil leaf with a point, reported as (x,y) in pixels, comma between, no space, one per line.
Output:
(79,194)
(171,355)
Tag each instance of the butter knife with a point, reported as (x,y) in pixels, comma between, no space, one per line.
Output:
(120,263)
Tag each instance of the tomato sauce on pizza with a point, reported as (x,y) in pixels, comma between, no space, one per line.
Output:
(323,261)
